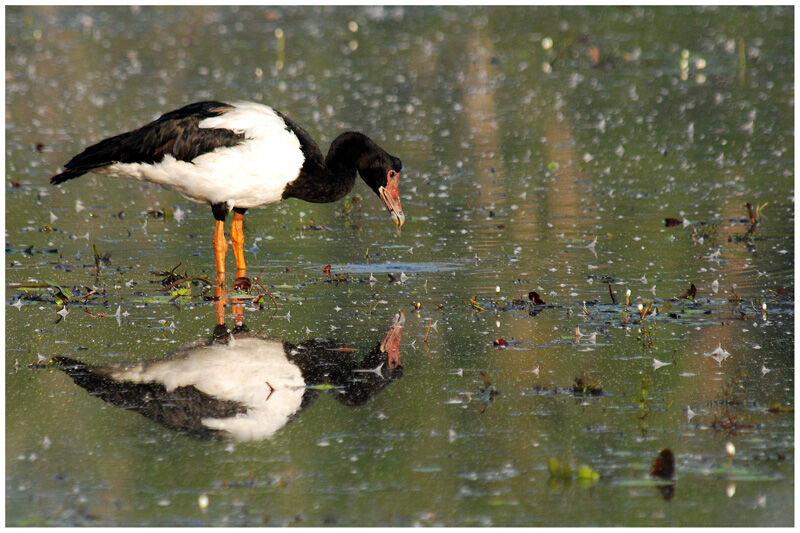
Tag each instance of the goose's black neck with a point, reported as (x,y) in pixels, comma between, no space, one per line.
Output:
(327,179)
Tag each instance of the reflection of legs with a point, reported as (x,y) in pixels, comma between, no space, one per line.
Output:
(220,299)
(237,307)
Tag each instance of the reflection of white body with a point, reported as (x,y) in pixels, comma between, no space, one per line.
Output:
(248,370)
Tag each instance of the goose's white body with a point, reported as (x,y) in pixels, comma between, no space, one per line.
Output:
(251,174)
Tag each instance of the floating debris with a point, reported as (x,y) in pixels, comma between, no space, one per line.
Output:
(664,465)
(474,303)
(611,293)
(777,408)
(534,297)
(431,326)
(487,392)
(690,293)
(719,354)
(731,423)
(730,449)
(561,469)
(658,364)
(587,385)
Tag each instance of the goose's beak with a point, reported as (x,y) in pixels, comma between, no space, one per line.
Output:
(390,196)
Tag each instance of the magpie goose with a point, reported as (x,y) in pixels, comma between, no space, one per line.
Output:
(239,155)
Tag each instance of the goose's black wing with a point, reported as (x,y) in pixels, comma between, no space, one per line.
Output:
(176,133)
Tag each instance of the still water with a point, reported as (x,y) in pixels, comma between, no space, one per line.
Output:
(575,153)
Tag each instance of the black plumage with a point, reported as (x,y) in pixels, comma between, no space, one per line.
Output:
(184,408)
(176,133)
(253,156)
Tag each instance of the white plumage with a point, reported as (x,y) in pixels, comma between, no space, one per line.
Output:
(231,175)
(250,371)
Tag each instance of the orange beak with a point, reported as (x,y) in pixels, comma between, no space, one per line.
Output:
(390,195)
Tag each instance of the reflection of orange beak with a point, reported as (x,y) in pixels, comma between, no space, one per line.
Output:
(390,195)
(390,343)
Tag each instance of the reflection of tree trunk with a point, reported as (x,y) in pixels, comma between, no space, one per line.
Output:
(480,109)
(707,386)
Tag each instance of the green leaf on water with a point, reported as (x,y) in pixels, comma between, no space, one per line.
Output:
(181,291)
(558,469)
(588,473)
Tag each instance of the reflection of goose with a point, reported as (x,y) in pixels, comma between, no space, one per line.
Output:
(242,386)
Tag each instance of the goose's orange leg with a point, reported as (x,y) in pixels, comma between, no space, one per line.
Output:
(220,248)
(237,240)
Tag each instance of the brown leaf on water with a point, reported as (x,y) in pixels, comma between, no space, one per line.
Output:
(750,212)
(664,465)
(671,221)
(534,297)
(587,385)
(731,423)
(594,55)
(782,291)
(690,293)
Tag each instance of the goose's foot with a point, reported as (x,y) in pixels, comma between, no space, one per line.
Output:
(242,283)
(221,334)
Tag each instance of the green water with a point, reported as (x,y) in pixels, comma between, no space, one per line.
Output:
(526,135)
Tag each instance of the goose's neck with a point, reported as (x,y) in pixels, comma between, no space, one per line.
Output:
(329,179)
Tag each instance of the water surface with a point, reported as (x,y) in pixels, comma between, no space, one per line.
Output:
(543,150)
